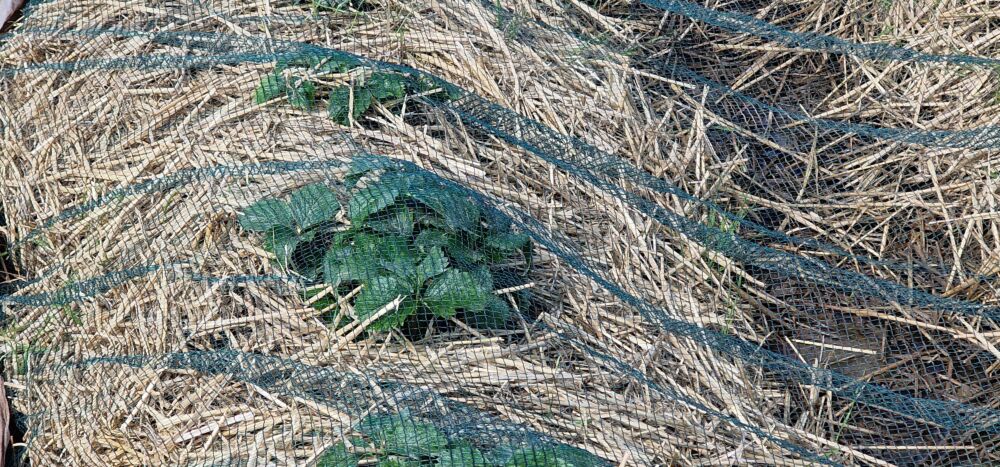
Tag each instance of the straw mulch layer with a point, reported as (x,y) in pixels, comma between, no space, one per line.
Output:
(76,136)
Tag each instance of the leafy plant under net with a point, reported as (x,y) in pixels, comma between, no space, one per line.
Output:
(455,232)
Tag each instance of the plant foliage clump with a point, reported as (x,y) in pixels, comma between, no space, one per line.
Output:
(417,248)
(348,102)
(403,440)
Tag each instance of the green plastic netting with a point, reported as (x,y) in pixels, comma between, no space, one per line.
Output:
(498,233)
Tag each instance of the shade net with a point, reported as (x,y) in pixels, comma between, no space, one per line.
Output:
(499,233)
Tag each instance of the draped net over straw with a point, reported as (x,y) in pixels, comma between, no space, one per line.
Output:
(501,233)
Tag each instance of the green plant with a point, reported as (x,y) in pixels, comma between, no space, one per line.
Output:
(287,225)
(350,102)
(345,103)
(336,5)
(402,440)
(408,237)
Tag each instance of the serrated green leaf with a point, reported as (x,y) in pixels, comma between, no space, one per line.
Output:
(454,290)
(395,318)
(282,242)
(312,205)
(548,456)
(265,215)
(361,165)
(428,238)
(495,315)
(342,265)
(399,462)
(301,93)
(431,265)
(341,104)
(507,241)
(362,102)
(338,64)
(410,438)
(458,211)
(339,108)
(374,425)
(397,220)
(338,456)
(386,85)
(462,456)
(362,260)
(377,293)
(463,253)
(372,199)
(271,86)
(395,255)
(483,277)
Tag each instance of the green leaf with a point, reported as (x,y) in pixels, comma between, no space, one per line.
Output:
(345,264)
(361,165)
(386,85)
(271,86)
(396,256)
(282,242)
(458,211)
(547,456)
(409,438)
(400,434)
(428,238)
(463,253)
(507,241)
(455,290)
(398,220)
(301,94)
(303,60)
(399,462)
(377,293)
(395,318)
(463,455)
(495,315)
(365,259)
(483,277)
(265,215)
(340,105)
(433,264)
(448,92)
(374,425)
(343,238)
(362,102)
(338,64)
(338,456)
(371,199)
(312,205)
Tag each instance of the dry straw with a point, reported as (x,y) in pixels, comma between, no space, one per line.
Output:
(74,136)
